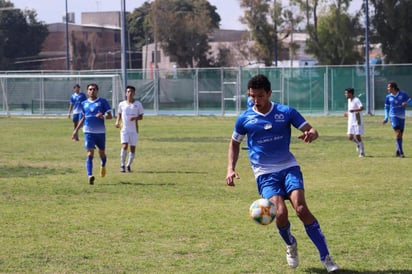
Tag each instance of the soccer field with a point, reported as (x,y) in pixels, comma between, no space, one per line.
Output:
(174,212)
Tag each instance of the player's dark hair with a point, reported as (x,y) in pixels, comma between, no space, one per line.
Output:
(259,81)
(93,85)
(131,87)
(76,86)
(394,85)
(350,90)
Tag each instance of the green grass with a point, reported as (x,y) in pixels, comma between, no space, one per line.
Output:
(175,214)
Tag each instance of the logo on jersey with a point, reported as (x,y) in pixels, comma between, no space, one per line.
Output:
(267,126)
(253,121)
(279,117)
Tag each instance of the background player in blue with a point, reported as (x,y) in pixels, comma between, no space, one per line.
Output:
(95,110)
(75,100)
(395,103)
(267,126)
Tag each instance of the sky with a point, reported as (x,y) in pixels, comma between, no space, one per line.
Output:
(52,11)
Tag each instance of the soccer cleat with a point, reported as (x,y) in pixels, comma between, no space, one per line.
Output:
(362,155)
(329,264)
(400,154)
(102,171)
(292,255)
(122,169)
(91,180)
(128,169)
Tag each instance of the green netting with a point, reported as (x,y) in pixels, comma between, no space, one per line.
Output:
(317,90)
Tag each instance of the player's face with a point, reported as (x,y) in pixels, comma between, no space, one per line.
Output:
(261,99)
(390,89)
(130,93)
(92,92)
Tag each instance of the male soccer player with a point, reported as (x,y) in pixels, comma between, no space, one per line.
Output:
(355,120)
(395,104)
(128,113)
(95,110)
(267,126)
(75,100)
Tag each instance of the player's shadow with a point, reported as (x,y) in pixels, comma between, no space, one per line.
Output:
(349,271)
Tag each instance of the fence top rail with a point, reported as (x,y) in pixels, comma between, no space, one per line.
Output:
(8,76)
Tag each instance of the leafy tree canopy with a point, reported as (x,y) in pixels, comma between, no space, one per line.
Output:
(335,39)
(180,27)
(392,23)
(21,36)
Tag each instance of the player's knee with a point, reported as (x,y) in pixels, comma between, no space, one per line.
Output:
(302,211)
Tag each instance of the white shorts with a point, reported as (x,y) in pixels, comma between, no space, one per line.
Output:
(355,130)
(129,138)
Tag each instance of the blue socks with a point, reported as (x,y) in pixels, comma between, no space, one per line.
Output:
(284,232)
(103,161)
(315,234)
(89,165)
(399,145)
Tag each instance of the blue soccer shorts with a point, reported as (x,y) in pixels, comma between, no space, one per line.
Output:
(93,140)
(77,117)
(398,123)
(280,183)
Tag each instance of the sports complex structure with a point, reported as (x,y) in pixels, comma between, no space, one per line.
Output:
(315,90)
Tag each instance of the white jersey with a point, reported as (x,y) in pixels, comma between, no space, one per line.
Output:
(129,110)
(355,118)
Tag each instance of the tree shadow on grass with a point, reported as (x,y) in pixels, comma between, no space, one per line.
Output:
(143,184)
(350,271)
(30,171)
(171,172)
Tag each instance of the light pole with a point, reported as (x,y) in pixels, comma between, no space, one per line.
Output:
(367,74)
(123,41)
(276,34)
(67,39)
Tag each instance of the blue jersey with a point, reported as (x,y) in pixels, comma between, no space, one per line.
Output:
(76,99)
(90,109)
(250,102)
(393,104)
(268,137)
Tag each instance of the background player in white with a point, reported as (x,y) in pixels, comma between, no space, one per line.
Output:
(395,109)
(94,110)
(267,126)
(76,99)
(355,120)
(129,112)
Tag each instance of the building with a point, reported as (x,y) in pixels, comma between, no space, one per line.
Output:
(95,44)
(92,45)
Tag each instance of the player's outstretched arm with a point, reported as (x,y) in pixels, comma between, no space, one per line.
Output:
(75,134)
(233,155)
(309,133)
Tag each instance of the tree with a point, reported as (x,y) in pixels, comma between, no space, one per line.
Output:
(269,24)
(392,22)
(333,37)
(262,32)
(182,29)
(138,25)
(21,36)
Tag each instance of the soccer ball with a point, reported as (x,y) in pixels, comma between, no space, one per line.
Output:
(262,211)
